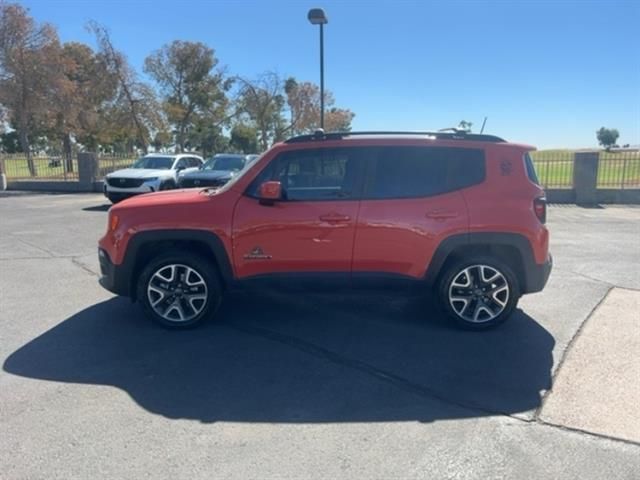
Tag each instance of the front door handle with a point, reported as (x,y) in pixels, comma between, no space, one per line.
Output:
(334,218)
(441,214)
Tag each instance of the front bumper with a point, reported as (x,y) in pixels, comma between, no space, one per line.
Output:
(146,187)
(112,277)
(537,275)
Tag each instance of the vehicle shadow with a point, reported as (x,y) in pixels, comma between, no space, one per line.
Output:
(301,359)
(98,208)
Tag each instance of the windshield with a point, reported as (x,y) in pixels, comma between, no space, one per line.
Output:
(225,163)
(156,163)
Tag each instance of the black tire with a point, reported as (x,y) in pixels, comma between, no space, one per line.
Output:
(204,268)
(457,310)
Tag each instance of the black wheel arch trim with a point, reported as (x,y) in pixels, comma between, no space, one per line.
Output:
(533,275)
(124,275)
(120,278)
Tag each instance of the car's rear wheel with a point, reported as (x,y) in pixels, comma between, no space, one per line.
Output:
(478,293)
(179,289)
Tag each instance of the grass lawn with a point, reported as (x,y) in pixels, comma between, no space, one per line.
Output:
(16,167)
(555,168)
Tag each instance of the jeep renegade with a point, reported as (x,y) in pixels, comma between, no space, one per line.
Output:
(459,214)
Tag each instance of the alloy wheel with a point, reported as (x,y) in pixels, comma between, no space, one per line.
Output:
(177,292)
(479,293)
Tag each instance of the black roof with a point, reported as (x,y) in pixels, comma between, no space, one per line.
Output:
(446,134)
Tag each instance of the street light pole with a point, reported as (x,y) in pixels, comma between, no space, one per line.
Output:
(317,17)
(322,76)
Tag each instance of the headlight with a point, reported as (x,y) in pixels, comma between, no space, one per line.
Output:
(152,179)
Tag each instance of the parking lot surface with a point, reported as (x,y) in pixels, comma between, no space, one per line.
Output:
(314,386)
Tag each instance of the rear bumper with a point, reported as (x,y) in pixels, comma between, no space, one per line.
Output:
(112,277)
(537,275)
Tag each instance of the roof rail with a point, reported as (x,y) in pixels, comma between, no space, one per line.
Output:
(446,134)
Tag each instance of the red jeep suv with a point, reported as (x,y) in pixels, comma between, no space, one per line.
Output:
(458,213)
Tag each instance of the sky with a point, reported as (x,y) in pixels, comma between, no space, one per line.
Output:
(546,73)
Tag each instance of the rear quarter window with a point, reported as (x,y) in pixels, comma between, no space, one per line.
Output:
(531,169)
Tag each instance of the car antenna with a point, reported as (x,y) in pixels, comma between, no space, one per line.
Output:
(484,122)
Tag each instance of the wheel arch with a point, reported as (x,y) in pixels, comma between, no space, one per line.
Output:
(512,248)
(144,246)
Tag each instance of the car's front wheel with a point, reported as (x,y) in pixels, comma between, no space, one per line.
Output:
(478,293)
(179,289)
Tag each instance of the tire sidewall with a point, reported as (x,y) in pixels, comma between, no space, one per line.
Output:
(454,269)
(201,265)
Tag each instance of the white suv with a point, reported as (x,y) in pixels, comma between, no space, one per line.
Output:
(150,173)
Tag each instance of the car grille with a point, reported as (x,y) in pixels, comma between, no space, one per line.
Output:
(201,182)
(125,182)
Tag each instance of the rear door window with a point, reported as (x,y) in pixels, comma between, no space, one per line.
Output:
(413,172)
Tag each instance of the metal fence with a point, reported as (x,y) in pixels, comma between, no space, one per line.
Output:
(43,167)
(554,168)
(616,169)
(619,169)
(111,163)
(53,167)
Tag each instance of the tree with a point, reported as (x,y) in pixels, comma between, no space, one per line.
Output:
(464,125)
(338,119)
(10,142)
(29,71)
(607,137)
(206,138)
(193,91)
(81,97)
(303,99)
(244,138)
(263,102)
(135,106)
(161,140)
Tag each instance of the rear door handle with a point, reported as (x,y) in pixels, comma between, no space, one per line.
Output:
(335,218)
(441,214)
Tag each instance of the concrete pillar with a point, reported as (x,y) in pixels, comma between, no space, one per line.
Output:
(585,177)
(87,170)
(3,176)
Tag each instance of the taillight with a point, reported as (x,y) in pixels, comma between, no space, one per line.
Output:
(540,208)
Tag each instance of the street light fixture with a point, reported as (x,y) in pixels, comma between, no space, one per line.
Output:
(317,17)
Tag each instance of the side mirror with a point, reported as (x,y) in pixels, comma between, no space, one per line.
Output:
(269,192)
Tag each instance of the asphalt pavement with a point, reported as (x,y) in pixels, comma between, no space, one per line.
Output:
(314,386)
